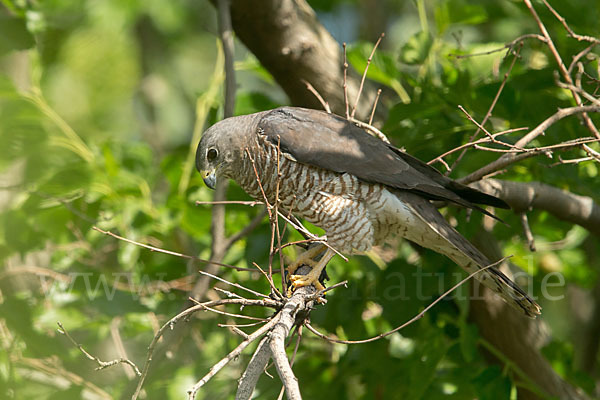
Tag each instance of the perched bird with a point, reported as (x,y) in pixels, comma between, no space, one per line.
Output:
(356,187)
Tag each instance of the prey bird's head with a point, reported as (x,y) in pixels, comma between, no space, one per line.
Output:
(223,145)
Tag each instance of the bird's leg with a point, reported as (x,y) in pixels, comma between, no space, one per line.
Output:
(312,278)
(306,258)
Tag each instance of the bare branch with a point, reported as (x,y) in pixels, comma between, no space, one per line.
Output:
(488,114)
(237,285)
(232,355)
(568,29)
(318,96)
(101,364)
(172,253)
(527,230)
(374,106)
(364,76)
(226,313)
(413,319)
(508,159)
(242,202)
(297,302)
(346,82)
(254,370)
(580,210)
(371,129)
(186,313)
(508,46)
(226,33)
(561,66)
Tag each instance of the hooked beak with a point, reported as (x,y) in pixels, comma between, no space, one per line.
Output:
(209,178)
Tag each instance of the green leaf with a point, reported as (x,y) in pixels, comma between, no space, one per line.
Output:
(492,385)
(468,341)
(14,34)
(424,366)
(416,50)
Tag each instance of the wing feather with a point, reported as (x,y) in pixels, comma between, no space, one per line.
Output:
(333,143)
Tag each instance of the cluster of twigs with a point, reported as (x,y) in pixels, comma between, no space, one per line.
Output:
(292,313)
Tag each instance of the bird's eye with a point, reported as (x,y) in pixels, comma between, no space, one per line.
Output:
(211,154)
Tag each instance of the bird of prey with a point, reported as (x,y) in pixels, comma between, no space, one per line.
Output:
(356,187)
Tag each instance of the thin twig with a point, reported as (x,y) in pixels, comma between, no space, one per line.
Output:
(345,82)
(370,128)
(413,319)
(172,253)
(315,239)
(237,285)
(491,137)
(279,234)
(245,203)
(314,91)
(568,29)
(274,289)
(374,106)
(591,152)
(364,76)
(527,230)
(508,45)
(232,355)
(488,114)
(561,66)
(241,325)
(262,191)
(440,158)
(101,364)
(327,289)
(579,55)
(184,314)
(508,159)
(120,347)
(225,312)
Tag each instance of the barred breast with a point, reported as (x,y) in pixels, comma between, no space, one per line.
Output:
(354,214)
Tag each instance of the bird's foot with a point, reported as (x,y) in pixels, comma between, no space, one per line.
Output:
(306,258)
(312,278)
(302,260)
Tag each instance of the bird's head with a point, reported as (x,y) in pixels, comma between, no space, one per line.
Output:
(222,145)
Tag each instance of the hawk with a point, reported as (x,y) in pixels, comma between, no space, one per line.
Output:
(359,189)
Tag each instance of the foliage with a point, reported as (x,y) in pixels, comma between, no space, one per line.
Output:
(98,103)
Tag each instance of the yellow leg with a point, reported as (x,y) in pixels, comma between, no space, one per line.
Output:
(312,278)
(306,258)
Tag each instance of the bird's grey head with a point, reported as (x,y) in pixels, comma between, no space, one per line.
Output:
(222,145)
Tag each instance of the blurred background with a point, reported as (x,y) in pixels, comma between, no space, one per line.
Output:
(99,104)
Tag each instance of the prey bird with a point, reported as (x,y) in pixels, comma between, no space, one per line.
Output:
(359,189)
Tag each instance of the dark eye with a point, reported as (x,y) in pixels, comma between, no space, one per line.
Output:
(211,154)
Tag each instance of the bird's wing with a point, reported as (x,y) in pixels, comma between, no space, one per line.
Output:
(331,142)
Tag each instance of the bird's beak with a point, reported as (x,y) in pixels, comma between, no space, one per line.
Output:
(210,178)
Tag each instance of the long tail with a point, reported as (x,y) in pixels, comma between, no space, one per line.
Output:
(444,239)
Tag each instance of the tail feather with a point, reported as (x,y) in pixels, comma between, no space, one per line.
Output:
(444,239)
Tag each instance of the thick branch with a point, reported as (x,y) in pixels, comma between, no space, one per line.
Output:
(522,196)
(253,371)
(299,303)
(291,43)
(516,340)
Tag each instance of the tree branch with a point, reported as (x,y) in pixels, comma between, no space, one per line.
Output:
(510,158)
(300,301)
(521,196)
(294,47)
(254,370)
